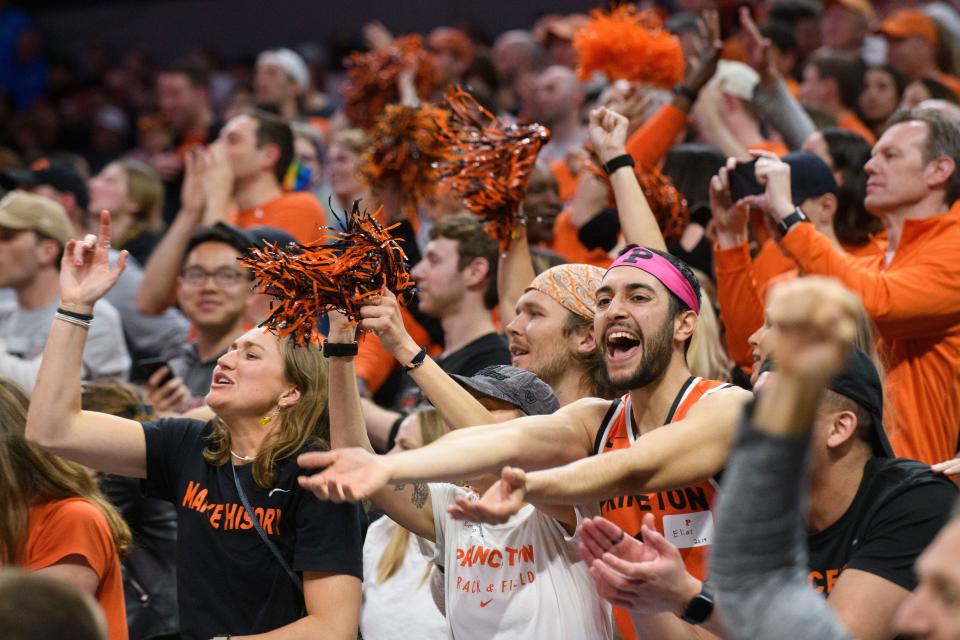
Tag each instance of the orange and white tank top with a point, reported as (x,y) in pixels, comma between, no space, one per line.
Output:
(682,515)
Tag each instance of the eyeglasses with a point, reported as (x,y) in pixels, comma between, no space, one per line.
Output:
(196,276)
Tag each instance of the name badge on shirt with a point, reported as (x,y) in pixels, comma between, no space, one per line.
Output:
(688,530)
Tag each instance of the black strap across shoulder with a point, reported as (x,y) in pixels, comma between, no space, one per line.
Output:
(256,525)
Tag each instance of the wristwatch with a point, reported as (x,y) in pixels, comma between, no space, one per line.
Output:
(791,221)
(700,607)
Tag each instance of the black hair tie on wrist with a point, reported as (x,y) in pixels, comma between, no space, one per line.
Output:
(339,349)
(83,317)
(625,160)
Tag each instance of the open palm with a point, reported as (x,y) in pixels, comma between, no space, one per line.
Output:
(351,474)
(85,271)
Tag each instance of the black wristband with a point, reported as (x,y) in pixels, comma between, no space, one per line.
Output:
(417,360)
(84,317)
(791,221)
(686,92)
(339,349)
(625,160)
(700,608)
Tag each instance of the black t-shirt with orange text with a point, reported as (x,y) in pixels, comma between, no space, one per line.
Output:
(228,581)
(897,511)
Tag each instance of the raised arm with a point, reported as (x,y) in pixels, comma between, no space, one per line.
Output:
(158,290)
(456,405)
(55,420)
(408,505)
(608,132)
(535,442)
(759,558)
(674,456)
(515,273)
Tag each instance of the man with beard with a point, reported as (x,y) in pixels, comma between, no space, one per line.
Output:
(646,312)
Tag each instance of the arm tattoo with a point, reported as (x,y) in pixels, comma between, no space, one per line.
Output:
(420,494)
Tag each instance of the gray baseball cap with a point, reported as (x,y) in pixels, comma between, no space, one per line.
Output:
(519,387)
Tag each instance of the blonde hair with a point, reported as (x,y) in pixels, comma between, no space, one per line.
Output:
(29,476)
(432,427)
(301,424)
(707,356)
(145,188)
(353,139)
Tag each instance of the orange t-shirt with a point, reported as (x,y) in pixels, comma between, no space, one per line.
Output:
(566,242)
(683,515)
(914,303)
(77,527)
(298,213)
(849,121)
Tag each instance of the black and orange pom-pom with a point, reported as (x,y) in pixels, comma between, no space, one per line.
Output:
(627,44)
(405,150)
(372,78)
(489,161)
(307,281)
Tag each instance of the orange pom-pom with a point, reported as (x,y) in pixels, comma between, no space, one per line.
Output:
(372,78)
(406,149)
(489,161)
(626,44)
(339,273)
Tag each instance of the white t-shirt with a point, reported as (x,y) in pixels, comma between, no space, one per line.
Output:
(400,607)
(522,579)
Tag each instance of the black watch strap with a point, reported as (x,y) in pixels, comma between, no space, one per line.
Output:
(417,360)
(700,608)
(791,221)
(624,160)
(686,92)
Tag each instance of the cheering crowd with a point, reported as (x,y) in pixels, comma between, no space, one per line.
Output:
(642,323)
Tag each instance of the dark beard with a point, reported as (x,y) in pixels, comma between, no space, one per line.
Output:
(656,358)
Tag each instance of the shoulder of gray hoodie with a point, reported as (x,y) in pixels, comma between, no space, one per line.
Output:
(156,336)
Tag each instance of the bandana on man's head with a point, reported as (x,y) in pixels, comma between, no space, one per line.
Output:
(663,270)
(572,285)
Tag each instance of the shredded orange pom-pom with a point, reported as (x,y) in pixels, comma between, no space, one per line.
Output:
(372,78)
(627,44)
(489,161)
(406,149)
(307,281)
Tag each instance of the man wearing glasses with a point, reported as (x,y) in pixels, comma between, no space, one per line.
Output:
(215,294)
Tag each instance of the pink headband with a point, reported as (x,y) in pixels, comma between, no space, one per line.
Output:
(661,269)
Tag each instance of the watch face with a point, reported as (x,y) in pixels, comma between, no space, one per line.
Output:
(699,609)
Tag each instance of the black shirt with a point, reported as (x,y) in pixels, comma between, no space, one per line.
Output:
(898,510)
(228,581)
(485,351)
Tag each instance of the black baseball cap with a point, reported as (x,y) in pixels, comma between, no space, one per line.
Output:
(60,175)
(516,386)
(860,381)
(810,176)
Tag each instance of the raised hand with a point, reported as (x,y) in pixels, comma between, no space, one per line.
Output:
(774,174)
(350,475)
(193,193)
(704,64)
(646,577)
(85,271)
(815,320)
(501,501)
(382,318)
(759,50)
(341,328)
(729,218)
(608,132)
(377,36)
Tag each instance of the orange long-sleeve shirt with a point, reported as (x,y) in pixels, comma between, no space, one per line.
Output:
(915,305)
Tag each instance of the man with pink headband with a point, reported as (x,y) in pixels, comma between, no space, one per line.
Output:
(646,311)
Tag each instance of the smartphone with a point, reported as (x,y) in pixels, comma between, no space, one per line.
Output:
(743,181)
(143,369)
